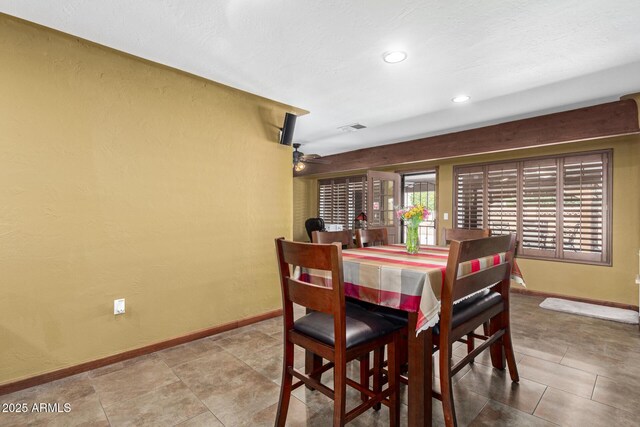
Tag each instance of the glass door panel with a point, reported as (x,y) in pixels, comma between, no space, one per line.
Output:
(420,188)
(384,188)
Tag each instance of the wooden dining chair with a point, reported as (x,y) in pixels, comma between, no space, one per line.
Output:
(344,237)
(450,234)
(371,237)
(477,305)
(465,234)
(334,331)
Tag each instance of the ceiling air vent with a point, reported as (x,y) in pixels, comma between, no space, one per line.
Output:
(351,128)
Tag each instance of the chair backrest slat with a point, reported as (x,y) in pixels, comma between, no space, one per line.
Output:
(465,234)
(483,247)
(474,282)
(371,237)
(315,297)
(307,255)
(344,237)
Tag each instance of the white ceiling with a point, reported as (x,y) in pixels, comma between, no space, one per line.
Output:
(514,58)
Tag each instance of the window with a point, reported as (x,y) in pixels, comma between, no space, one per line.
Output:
(340,200)
(557,206)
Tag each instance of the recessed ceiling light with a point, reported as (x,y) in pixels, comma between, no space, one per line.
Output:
(394,56)
(461,98)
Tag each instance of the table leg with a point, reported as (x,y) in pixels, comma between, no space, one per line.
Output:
(312,362)
(420,374)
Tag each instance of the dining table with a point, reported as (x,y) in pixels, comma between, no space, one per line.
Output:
(389,276)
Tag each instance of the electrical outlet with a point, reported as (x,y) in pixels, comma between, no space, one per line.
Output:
(446,216)
(118,306)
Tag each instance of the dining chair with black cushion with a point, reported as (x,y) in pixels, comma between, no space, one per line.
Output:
(371,237)
(314,224)
(479,302)
(465,234)
(344,237)
(336,331)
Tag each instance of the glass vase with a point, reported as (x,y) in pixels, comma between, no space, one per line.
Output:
(413,239)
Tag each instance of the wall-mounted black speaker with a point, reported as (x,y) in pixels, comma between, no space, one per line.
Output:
(286,136)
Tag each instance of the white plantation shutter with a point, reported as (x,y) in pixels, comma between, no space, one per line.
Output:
(539,207)
(469,194)
(325,196)
(583,207)
(357,199)
(558,206)
(502,198)
(340,200)
(333,201)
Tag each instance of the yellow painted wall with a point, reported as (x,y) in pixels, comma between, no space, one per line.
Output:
(615,283)
(121,178)
(302,209)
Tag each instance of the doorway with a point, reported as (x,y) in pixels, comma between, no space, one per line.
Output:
(420,188)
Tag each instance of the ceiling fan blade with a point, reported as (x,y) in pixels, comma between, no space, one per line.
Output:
(319,161)
(299,156)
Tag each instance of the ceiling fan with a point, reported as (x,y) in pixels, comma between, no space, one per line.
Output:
(299,158)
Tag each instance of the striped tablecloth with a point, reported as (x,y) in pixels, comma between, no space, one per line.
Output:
(389,276)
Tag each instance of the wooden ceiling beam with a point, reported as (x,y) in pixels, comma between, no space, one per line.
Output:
(599,121)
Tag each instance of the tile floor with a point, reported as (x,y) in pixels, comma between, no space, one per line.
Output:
(574,371)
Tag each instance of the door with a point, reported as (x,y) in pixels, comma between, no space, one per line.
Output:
(384,191)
